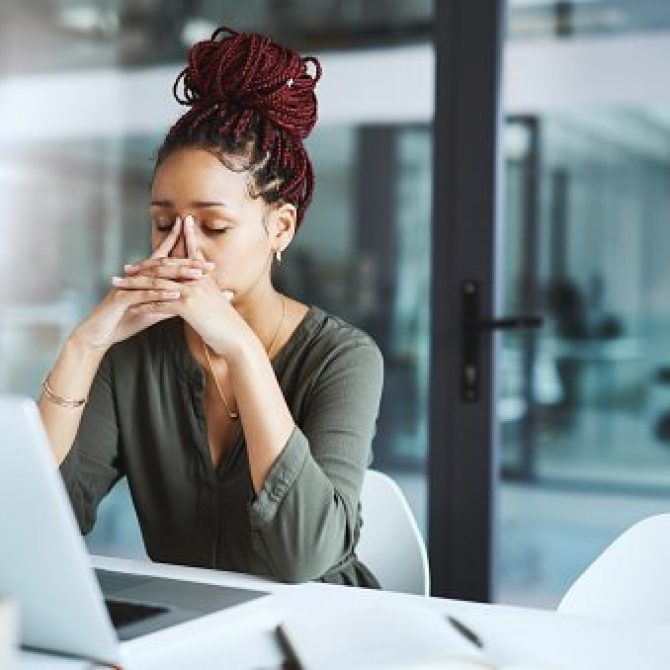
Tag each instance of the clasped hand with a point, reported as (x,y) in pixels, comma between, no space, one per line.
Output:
(162,287)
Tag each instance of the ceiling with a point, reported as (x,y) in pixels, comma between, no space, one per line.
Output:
(62,35)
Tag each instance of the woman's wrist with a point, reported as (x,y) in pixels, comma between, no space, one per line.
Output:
(68,382)
(79,346)
(246,349)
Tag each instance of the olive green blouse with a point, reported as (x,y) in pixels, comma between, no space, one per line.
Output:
(145,420)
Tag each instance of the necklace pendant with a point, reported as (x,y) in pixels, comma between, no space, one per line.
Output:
(233,416)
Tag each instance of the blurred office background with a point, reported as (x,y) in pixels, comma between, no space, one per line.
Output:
(583,404)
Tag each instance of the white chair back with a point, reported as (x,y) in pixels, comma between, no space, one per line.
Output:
(390,543)
(630,579)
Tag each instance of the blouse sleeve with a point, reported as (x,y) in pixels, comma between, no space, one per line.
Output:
(92,465)
(304,519)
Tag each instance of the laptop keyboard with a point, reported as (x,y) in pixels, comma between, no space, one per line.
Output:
(124,613)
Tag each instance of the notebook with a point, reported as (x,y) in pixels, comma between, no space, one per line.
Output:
(378,635)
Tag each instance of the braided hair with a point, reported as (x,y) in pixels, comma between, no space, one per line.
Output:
(252,104)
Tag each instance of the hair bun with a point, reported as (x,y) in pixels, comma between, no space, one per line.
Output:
(251,71)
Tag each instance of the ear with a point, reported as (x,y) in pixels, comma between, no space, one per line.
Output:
(283,219)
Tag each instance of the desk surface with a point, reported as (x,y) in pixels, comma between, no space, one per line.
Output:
(243,637)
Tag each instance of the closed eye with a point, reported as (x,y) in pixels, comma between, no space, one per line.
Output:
(166,227)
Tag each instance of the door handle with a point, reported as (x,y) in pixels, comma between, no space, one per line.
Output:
(511,323)
(473,327)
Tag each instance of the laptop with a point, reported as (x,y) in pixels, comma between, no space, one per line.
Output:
(66,606)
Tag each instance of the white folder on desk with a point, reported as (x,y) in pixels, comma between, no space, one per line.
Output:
(378,635)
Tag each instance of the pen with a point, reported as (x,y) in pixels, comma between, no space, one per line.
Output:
(465,631)
(292,662)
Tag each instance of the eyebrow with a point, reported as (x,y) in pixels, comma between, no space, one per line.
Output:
(197,204)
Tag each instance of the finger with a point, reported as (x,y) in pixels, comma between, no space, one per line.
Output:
(166,246)
(141,266)
(170,272)
(192,249)
(140,282)
(133,298)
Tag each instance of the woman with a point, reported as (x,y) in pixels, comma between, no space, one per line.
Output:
(243,419)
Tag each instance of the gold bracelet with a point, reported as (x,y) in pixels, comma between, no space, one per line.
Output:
(59,400)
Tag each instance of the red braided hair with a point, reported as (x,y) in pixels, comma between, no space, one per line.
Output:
(248,95)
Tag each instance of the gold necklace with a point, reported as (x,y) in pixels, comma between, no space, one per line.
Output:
(232,415)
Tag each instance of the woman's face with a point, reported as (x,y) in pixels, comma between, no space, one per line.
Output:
(233,230)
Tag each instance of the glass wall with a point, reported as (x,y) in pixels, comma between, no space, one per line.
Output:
(584,403)
(84,112)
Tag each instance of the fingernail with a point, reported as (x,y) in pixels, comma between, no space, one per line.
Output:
(116,280)
(189,220)
(209,265)
(173,294)
(129,266)
(177,221)
(193,272)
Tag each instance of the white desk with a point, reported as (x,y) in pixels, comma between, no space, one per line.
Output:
(243,638)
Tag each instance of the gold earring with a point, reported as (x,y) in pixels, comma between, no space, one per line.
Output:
(278,256)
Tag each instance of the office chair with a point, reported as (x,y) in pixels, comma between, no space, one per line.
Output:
(630,579)
(390,543)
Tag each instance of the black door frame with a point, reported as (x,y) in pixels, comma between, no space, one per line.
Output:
(466,212)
